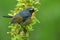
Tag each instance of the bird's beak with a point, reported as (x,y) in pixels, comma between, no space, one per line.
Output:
(34,10)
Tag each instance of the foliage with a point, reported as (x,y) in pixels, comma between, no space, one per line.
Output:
(17,31)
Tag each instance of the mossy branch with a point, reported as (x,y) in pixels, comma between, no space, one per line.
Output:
(19,32)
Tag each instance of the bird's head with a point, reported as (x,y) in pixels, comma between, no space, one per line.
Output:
(31,10)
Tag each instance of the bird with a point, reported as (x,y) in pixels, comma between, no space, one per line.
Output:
(23,17)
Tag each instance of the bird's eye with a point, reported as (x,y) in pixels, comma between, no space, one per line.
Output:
(32,10)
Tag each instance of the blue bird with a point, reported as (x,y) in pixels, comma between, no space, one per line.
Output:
(23,17)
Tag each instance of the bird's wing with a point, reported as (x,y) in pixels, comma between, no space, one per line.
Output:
(27,21)
(17,19)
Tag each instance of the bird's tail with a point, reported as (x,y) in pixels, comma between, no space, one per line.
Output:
(7,16)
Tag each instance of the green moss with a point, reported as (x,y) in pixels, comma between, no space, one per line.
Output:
(17,30)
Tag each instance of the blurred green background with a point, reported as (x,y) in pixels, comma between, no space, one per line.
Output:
(49,16)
